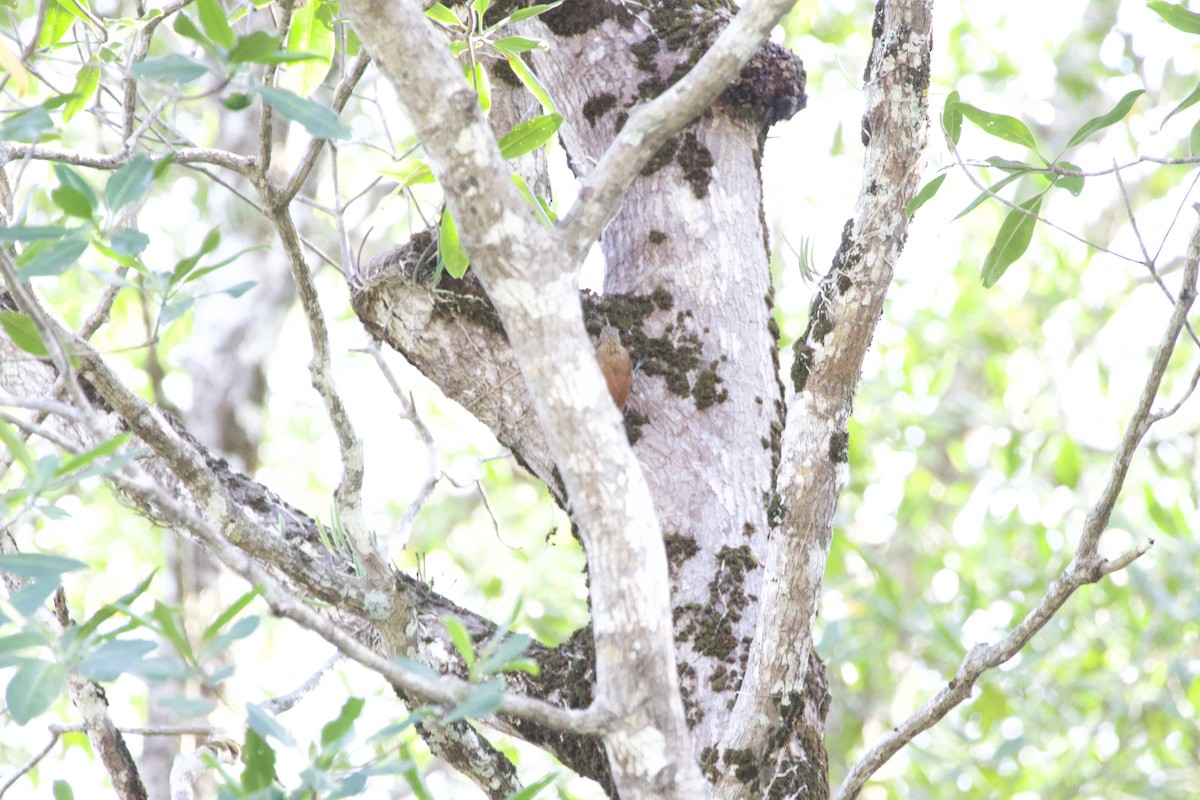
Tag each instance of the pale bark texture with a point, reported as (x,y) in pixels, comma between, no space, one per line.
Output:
(705,508)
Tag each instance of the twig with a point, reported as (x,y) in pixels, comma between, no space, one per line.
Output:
(1085,567)
(347,496)
(284,702)
(341,96)
(408,411)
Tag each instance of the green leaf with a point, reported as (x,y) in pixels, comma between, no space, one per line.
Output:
(1194,139)
(63,791)
(451,252)
(417,668)
(531,82)
(238,289)
(58,22)
(1002,126)
(335,731)
(174,68)
(169,627)
(1072,183)
(266,725)
(26,126)
(215,22)
(311,33)
(32,233)
(534,789)
(33,689)
(16,445)
(991,191)
(86,81)
(320,121)
(23,332)
(52,259)
(237,101)
(1185,103)
(1116,114)
(1161,517)
(73,180)
(99,451)
(508,652)
(528,136)
(129,241)
(229,613)
(482,701)
(477,77)
(481,7)
(952,117)
(513,45)
(925,195)
(461,638)
(211,241)
(261,47)
(107,611)
(239,630)
(532,200)
(72,202)
(533,11)
(32,595)
(184,26)
(1068,464)
(39,565)
(112,659)
(1011,242)
(129,183)
(444,16)
(1177,16)
(259,757)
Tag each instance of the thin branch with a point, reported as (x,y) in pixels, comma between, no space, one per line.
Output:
(1015,207)
(446,690)
(341,96)
(1085,567)
(347,496)
(10,151)
(651,124)
(284,702)
(408,411)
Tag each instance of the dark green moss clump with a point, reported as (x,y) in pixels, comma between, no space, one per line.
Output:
(596,107)
(696,161)
(680,548)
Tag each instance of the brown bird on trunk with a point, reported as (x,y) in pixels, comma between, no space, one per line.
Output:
(616,365)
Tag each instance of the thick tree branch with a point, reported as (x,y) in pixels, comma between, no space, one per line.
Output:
(828,361)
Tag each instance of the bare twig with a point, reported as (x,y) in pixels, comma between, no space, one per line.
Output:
(347,496)
(340,97)
(1085,567)
(284,702)
(408,411)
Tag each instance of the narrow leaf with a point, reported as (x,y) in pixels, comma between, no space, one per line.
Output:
(215,22)
(1072,183)
(229,613)
(335,730)
(991,191)
(1185,103)
(528,136)
(1116,114)
(33,689)
(320,121)
(32,233)
(1011,242)
(39,565)
(266,725)
(481,702)
(129,183)
(442,15)
(952,117)
(531,82)
(533,11)
(1002,126)
(86,81)
(174,68)
(534,789)
(461,638)
(1177,16)
(311,33)
(26,126)
(23,332)
(259,756)
(454,257)
(52,259)
(925,195)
